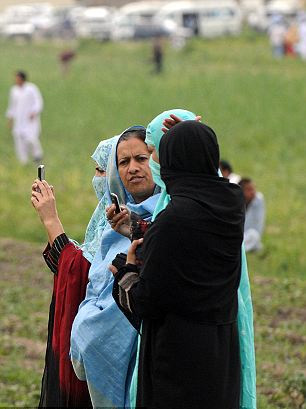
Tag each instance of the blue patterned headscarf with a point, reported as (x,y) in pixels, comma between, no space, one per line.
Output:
(102,152)
(98,220)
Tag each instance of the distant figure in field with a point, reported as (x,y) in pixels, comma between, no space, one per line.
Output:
(255,215)
(277,32)
(158,54)
(23,113)
(291,40)
(65,59)
(302,36)
(227,171)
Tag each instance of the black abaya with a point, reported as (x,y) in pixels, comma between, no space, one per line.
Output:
(186,293)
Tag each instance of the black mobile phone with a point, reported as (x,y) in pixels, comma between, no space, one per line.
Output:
(115,201)
(41,172)
(119,261)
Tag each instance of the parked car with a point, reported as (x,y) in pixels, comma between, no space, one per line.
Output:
(287,9)
(135,20)
(203,18)
(249,7)
(58,23)
(16,22)
(95,22)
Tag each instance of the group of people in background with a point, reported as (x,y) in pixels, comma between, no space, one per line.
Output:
(255,207)
(288,39)
(154,309)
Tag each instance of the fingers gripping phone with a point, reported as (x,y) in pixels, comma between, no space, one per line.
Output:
(115,201)
(41,172)
(40,175)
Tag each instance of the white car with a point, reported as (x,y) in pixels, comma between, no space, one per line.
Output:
(95,22)
(204,18)
(15,22)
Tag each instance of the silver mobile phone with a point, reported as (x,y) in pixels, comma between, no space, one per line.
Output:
(115,201)
(41,172)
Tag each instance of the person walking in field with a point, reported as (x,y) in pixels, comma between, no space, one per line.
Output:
(23,113)
(158,55)
(65,59)
(302,36)
(277,32)
(254,216)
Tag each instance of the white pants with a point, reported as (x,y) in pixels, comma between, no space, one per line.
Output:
(252,240)
(25,145)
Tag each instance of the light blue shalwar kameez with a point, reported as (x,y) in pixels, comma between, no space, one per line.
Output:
(103,342)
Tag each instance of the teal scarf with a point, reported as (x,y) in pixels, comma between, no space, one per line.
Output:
(154,134)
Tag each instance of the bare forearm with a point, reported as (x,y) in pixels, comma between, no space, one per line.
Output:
(43,201)
(54,228)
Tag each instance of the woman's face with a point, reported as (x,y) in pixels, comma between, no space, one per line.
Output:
(133,167)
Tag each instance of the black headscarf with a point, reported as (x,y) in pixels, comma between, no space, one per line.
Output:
(192,253)
(189,160)
(190,147)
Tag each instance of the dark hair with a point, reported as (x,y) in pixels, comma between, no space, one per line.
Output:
(138,132)
(225,165)
(244,181)
(22,75)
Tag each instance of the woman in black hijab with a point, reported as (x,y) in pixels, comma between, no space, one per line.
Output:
(186,290)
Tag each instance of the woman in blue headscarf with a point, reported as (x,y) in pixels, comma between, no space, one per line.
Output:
(70,264)
(155,130)
(103,343)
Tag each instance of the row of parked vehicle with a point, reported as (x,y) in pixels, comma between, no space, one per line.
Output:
(206,18)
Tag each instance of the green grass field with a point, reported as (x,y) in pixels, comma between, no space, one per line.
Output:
(255,104)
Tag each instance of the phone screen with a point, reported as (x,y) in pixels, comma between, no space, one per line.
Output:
(115,201)
(41,172)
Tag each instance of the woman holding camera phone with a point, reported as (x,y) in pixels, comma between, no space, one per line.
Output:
(103,343)
(70,264)
(160,390)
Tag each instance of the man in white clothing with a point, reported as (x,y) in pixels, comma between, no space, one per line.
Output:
(302,36)
(254,216)
(23,113)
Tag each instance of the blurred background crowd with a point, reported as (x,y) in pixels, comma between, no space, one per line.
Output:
(283,20)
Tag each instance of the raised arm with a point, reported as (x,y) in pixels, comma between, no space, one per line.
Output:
(44,203)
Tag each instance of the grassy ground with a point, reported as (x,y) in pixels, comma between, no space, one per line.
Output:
(254,103)
(280,316)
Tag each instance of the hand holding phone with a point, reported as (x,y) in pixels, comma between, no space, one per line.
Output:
(115,201)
